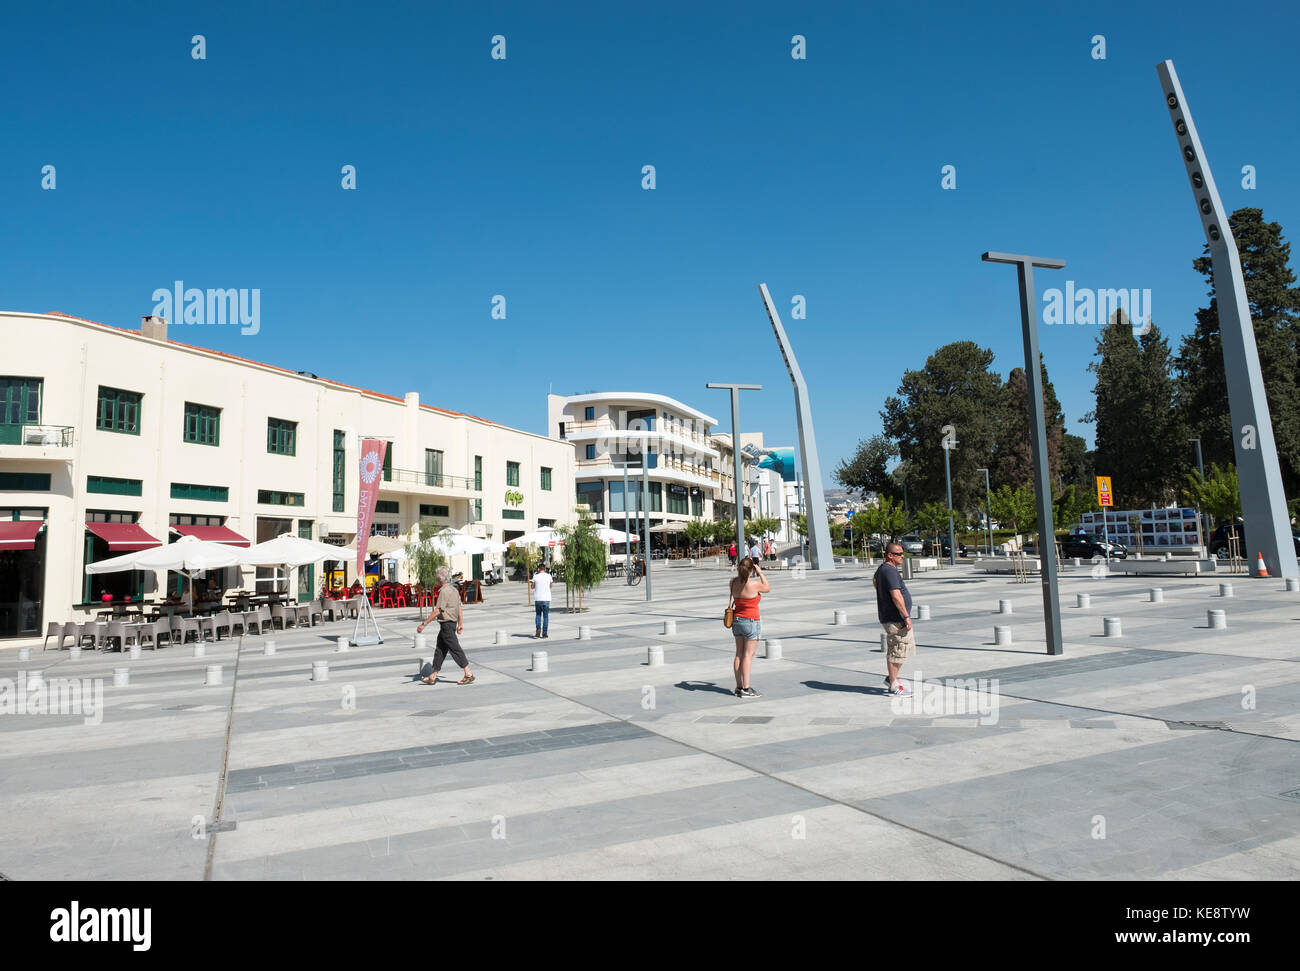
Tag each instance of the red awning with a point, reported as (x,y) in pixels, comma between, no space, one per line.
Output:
(123,537)
(21,535)
(213,534)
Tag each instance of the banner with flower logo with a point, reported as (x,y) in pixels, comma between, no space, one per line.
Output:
(372,466)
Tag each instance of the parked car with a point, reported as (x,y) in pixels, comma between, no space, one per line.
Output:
(1219,539)
(1088,545)
(943,546)
(911,543)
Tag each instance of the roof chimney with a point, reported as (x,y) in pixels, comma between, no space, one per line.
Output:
(155,327)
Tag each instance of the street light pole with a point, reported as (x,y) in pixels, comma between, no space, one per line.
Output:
(988,508)
(735,454)
(952,536)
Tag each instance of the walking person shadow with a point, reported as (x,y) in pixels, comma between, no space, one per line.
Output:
(703,686)
(861,689)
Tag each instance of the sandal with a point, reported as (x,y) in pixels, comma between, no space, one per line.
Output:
(468,679)
(429,679)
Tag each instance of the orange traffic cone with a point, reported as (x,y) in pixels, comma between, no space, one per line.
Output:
(1260,569)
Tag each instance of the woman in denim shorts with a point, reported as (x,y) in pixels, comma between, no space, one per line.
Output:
(747,588)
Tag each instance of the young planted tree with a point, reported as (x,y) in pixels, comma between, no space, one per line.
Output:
(698,532)
(1015,507)
(724,532)
(1219,493)
(892,520)
(423,556)
(527,557)
(932,520)
(584,555)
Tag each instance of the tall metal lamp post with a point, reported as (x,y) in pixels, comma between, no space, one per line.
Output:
(948,446)
(988,508)
(735,390)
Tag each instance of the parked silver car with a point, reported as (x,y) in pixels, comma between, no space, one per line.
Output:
(912,544)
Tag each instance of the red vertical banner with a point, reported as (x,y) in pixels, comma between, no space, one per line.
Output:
(372,467)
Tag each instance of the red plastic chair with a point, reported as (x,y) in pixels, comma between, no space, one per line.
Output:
(386,597)
(400,600)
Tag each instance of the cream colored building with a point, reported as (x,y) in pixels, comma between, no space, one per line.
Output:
(107,433)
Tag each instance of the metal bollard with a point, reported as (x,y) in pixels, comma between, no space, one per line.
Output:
(654,656)
(268,648)
(121,677)
(24,653)
(1111,627)
(1083,600)
(922,611)
(320,670)
(1225,590)
(1004,606)
(841,617)
(342,646)
(213,677)
(502,637)
(772,648)
(421,642)
(135,652)
(540,662)
(200,649)
(35,680)
(1217,619)
(1001,635)
(584,633)
(1157,595)
(670,627)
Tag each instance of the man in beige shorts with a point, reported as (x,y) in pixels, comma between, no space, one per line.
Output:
(894,609)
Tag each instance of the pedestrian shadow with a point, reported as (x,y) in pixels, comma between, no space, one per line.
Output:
(860,689)
(704,686)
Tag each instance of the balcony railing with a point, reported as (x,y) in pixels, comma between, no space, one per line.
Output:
(434,480)
(57,436)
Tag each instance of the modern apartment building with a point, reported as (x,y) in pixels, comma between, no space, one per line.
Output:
(115,439)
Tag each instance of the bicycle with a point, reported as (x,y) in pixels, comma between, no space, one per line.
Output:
(638,570)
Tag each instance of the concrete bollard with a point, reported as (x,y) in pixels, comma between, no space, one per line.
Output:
(213,677)
(342,646)
(1167,557)
(425,662)
(772,649)
(1076,562)
(670,627)
(200,649)
(502,637)
(421,642)
(1004,606)
(1225,590)
(540,662)
(1156,595)
(855,561)
(1217,619)
(268,648)
(654,656)
(135,652)
(1083,600)
(1111,627)
(1292,584)
(35,680)
(922,611)
(1001,635)
(320,670)
(584,633)
(24,653)
(74,652)
(884,642)
(785,564)
(841,617)
(121,677)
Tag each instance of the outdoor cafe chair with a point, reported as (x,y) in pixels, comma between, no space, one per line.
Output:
(386,597)
(95,630)
(314,611)
(402,597)
(278,613)
(153,631)
(183,626)
(116,631)
(57,630)
(252,621)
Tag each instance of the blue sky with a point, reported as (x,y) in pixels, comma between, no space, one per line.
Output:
(522,177)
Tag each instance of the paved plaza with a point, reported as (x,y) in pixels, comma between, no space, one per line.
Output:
(1169,752)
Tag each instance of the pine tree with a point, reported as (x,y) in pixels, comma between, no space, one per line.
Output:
(1013,456)
(1117,409)
(1275,313)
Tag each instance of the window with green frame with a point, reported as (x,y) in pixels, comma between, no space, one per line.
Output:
(202,493)
(114,487)
(274,497)
(25,481)
(546,479)
(389,506)
(202,424)
(388,463)
(513,514)
(281,437)
(340,470)
(478,510)
(478,473)
(429,510)
(20,404)
(118,411)
(678,502)
(512,473)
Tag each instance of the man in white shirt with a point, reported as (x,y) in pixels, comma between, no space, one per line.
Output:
(755,551)
(542,600)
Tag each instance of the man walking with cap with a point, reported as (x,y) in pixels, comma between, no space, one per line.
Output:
(894,609)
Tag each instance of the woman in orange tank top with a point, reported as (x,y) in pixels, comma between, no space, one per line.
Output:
(747,588)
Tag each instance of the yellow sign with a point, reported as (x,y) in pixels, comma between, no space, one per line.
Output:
(1104,497)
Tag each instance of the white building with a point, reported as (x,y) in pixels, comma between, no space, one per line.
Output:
(112,439)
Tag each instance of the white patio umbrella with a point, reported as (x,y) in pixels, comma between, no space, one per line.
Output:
(541,537)
(454,542)
(289,550)
(187,555)
(608,535)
